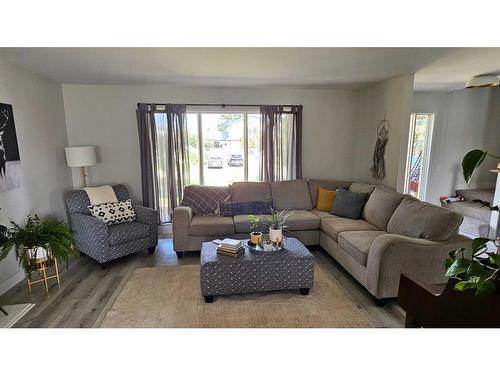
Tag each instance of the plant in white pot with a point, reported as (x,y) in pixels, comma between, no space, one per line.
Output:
(255,233)
(277,220)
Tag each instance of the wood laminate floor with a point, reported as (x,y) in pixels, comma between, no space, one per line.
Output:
(87,291)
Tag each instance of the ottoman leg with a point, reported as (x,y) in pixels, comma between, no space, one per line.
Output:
(304,291)
(209,299)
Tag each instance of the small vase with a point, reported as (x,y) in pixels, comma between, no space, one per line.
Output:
(256,238)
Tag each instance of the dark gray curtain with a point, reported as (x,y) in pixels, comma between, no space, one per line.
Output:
(164,156)
(147,145)
(281,142)
(177,154)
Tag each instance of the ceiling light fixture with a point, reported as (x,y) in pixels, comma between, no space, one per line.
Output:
(485,80)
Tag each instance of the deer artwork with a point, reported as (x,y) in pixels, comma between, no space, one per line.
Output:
(4,118)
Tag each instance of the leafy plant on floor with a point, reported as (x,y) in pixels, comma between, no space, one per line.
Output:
(49,233)
(3,240)
(477,270)
(278,219)
(472,160)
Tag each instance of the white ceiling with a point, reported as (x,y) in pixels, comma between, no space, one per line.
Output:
(435,68)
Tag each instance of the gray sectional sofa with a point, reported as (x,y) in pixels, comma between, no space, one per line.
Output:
(396,233)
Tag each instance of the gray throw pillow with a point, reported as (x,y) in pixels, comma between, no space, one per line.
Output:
(349,204)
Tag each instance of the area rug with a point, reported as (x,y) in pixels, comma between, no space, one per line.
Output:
(170,297)
(15,312)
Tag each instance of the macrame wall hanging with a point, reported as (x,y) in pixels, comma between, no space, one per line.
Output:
(378,167)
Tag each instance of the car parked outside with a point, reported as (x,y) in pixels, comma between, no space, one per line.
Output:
(235,160)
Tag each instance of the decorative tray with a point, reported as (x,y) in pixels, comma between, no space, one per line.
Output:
(260,250)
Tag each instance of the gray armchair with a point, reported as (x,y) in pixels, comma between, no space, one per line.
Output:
(105,243)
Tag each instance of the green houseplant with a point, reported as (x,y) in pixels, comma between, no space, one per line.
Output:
(27,241)
(477,270)
(277,220)
(255,234)
(472,160)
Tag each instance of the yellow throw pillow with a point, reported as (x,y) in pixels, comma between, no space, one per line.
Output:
(325,199)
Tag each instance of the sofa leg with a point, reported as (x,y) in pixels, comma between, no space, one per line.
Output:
(105,265)
(380,302)
(151,250)
(179,254)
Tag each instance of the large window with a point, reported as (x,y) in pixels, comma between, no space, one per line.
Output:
(224,146)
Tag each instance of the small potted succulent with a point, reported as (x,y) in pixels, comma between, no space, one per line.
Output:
(255,235)
(278,219)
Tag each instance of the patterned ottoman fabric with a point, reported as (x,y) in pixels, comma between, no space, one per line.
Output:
(292,268)
(204,200)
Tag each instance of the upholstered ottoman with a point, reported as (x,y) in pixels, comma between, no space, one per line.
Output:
(291,268)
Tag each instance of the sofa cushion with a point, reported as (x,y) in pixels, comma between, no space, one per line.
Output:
(315,184)
(300,220)
(380,206)
(126,232)
(303,220)
(242,225)
(211,226)
(417,219)
(349,204)
(361,187)
(205,200)
(250,191)
(357,243)
(245,208)
(292,194)
(320,214)
(334,225)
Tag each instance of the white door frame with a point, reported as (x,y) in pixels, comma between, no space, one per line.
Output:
(426,157)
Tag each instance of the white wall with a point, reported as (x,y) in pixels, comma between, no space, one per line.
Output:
(464,120)
(41,134)
(104,116)
(394,97)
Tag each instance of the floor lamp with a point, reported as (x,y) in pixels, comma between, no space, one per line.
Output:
(81,157)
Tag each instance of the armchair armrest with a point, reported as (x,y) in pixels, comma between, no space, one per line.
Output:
(146,215)
(91,235)
(391,255)
(181,219)
(150,217)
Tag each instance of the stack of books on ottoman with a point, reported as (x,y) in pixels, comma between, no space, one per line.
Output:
(230,247)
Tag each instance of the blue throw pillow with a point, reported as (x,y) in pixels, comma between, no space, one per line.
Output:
(245,208)
(349,204)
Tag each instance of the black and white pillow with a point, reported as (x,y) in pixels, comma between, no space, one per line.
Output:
(114,212)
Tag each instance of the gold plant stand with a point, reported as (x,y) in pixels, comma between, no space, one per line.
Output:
(42,266)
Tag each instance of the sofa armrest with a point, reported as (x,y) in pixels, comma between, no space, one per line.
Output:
(392,254)
(181,219)
(91,235)
(150,217)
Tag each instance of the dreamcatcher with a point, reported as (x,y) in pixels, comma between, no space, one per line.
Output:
(378,167)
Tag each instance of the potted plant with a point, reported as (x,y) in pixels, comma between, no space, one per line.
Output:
(255,235)
(477,270)
(278,219)
(48,238)
(472,160)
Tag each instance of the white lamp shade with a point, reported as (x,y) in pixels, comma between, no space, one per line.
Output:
(80,156)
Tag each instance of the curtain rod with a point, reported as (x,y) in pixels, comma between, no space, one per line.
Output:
(228,105)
